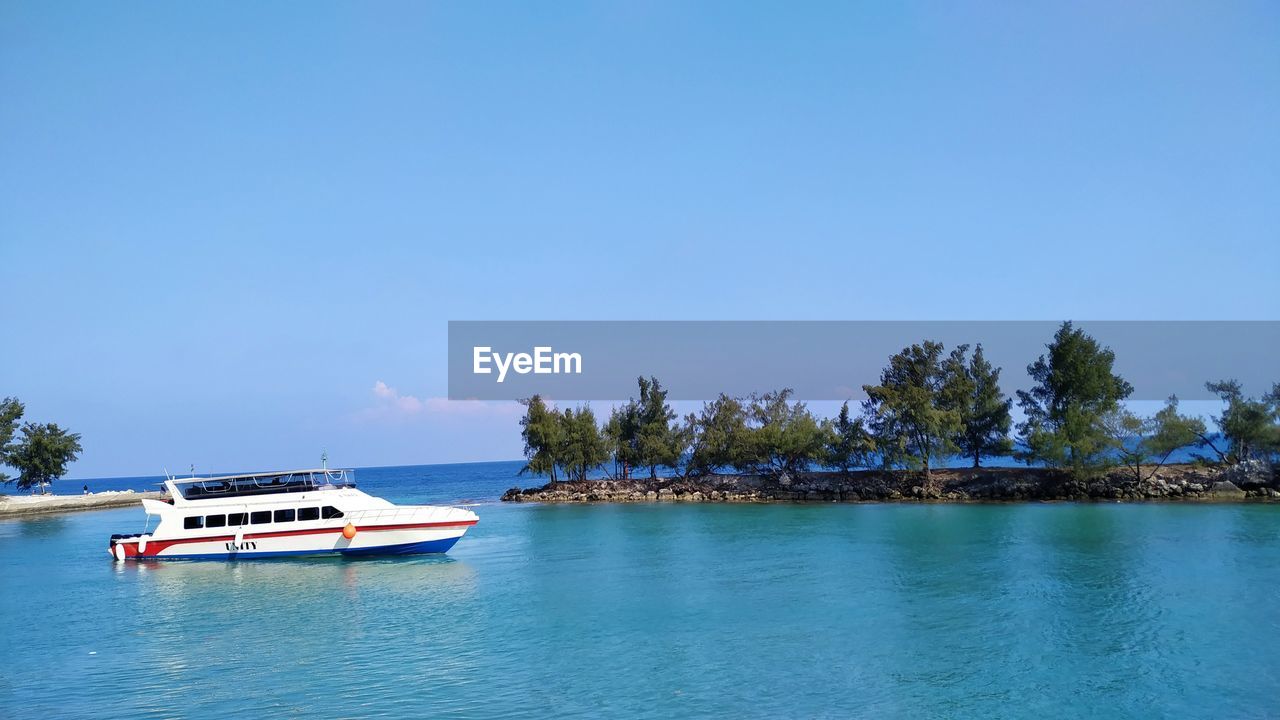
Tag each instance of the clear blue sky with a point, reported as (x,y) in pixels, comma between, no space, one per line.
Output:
(221,224)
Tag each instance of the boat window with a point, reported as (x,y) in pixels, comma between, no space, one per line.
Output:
(284,515)
(235,519)
(312,513)
(260,517)
(329,511)
(193,522)
(215,521)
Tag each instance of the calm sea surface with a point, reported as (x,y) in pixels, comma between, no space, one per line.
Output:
(1036,610)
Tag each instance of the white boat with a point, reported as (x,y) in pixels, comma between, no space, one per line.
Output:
(287,513)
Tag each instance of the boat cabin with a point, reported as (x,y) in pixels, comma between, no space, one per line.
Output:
(230,486)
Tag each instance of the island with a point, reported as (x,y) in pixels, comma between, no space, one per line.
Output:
(924,432)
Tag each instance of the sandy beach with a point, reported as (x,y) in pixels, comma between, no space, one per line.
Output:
(21,505)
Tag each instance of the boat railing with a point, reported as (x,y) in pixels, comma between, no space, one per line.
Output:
(385,516)
(240,486)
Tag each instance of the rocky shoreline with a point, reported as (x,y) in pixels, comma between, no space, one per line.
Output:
(1172,482)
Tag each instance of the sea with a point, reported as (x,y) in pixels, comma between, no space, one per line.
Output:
(1033,610)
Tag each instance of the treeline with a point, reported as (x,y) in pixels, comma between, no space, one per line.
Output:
(929,405)
(40,453)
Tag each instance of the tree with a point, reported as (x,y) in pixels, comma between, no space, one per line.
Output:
(582,448)
(643,433)
(1075,392)
(42,455)
(849,445)
(1151,441)
(541,430)
(1273,445)
(718,434)
(972,389)
(10,413)
(906,412)
(620,436)
(783,436)
(659,440)
(1247,425)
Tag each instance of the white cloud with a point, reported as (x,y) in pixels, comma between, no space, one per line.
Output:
(390,398)
(390,404)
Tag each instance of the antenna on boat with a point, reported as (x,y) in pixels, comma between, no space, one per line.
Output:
(193,469)
(324,460)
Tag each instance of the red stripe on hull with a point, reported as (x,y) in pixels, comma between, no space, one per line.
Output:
(155,547)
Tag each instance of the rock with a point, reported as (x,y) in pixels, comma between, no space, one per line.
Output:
(1248,474)
(784,480)
(1225,489)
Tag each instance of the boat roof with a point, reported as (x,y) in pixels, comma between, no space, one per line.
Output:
(274,473)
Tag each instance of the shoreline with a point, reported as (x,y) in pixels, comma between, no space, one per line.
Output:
(16,506)
(955,485)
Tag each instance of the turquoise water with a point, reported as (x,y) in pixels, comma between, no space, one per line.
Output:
(1036,610)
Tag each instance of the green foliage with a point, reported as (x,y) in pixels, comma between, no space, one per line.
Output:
(1150,441)
(643,433)
(972,389)
(718,436)
(620,438)
(782,436)
(906,412)
(1171,431)
(582,448)
(848,445)
(659,439)
(42,455)
(10,413)
(1248,426)
(542,432)
(568,443)
(1067,410)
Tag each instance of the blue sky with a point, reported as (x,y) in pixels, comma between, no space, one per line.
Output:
(222,224)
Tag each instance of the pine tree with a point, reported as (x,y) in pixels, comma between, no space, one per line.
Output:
(659,441)
(1248,426)
(43,454)
(1076,391)
(972,389)
(906,412)
(581,448)
(718,435)
(541,430)
(783,436)
(10,413)
(849,445)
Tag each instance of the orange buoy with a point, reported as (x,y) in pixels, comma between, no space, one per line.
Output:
(349,531)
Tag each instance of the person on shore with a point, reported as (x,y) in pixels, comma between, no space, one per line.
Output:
(86,489)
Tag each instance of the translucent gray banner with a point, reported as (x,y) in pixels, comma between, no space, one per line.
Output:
(826,360)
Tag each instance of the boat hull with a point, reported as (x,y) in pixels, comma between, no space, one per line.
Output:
(406,539)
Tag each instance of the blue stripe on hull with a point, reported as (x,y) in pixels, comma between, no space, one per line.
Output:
(418,548)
